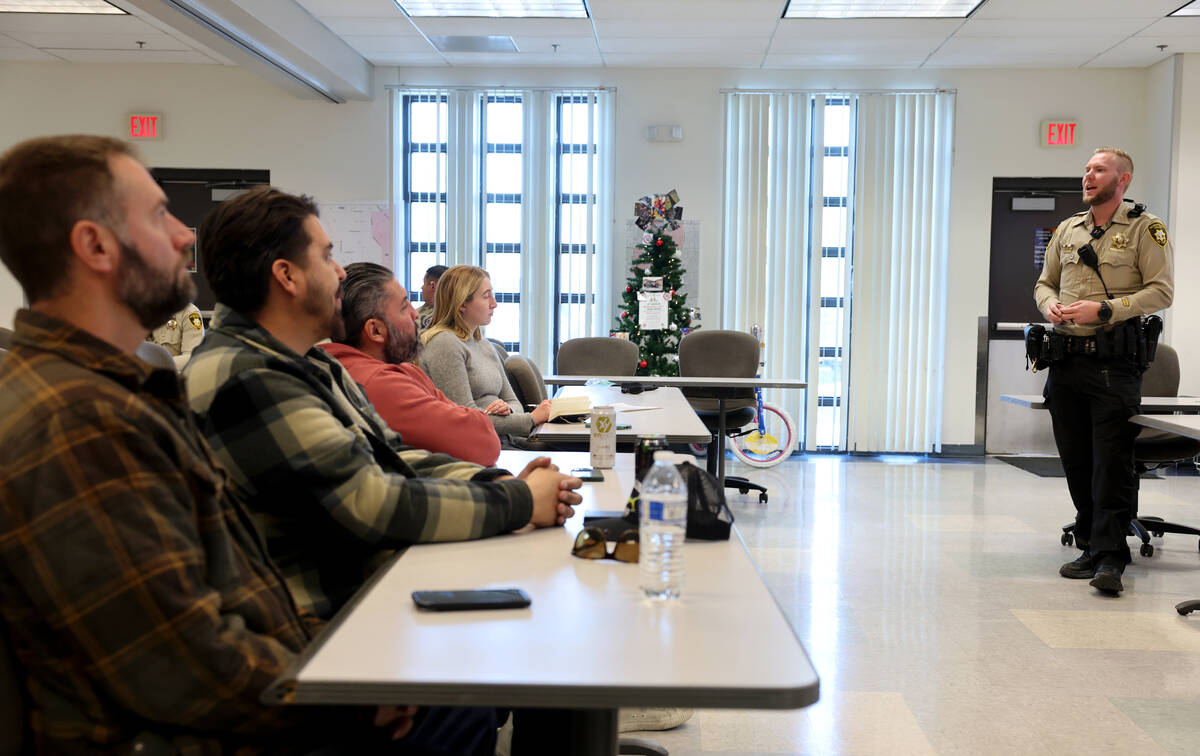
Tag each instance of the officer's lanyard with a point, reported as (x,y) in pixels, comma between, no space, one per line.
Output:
(1088,254)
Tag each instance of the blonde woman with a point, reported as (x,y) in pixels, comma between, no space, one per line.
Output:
(462,363)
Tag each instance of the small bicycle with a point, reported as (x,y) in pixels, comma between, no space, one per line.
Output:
(772,437)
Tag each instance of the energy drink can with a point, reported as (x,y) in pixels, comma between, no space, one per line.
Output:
(643,453)
(603,439)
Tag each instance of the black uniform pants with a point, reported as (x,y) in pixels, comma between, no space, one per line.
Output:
(1090,402)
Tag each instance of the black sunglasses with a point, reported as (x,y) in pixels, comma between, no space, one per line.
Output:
(592,543)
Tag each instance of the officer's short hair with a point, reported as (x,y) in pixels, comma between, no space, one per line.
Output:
(47,185)
(435,272)
(1122,155)
(242,237)
(364,295)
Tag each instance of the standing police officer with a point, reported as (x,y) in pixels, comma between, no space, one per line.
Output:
(1105,268)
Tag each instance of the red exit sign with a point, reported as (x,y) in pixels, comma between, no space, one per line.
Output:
(1059,133)
(145,125)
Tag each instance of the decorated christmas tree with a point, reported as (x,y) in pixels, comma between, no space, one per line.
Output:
(654,314)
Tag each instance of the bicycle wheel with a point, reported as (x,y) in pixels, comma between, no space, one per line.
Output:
(769,448)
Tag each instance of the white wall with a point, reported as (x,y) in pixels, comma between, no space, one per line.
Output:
(1186,226)
(221,117)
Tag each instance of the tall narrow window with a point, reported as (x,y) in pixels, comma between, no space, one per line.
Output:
(578,172)
(423,166)
(503,119)
(520,183)
(834,139)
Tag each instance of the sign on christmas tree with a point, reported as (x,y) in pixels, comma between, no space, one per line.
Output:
(654,314)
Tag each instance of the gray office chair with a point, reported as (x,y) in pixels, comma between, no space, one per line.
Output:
(1154,449)
(156,355)
(6,337)
(526,380)
(597,355)
(722,354)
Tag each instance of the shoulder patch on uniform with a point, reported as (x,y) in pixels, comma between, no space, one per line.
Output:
(196,321)
(1157,232)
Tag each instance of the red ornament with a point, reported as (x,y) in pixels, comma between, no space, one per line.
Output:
(658,243)
(624,315)
(643,364)
(628,289)
(672,292)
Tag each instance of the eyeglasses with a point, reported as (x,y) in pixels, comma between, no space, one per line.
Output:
(592,543)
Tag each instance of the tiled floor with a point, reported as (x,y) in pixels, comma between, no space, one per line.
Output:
(927,594)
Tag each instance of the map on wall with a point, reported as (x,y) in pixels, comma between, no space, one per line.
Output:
(360,231)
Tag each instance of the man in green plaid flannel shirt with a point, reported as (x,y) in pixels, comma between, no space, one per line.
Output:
(332,486)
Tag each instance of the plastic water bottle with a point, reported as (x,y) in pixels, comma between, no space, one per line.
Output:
(662,527)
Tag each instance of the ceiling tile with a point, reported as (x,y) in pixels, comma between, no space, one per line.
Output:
(367,8)
(57,23)
(909,46)
(566,45)
(82,41)
(1173,27)
(413,60)
(366,26)
(520,59)
(686,27)
(681,60)
(25,53)
(716,46)
(1082,30)
(373,45)
(131,56)
(846,60)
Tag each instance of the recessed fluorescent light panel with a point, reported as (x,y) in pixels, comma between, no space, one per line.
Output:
(490,44)
(59,6)
(880,8)
(1191,9)
(496,8)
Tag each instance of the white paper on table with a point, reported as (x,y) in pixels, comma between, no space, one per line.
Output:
(621,407)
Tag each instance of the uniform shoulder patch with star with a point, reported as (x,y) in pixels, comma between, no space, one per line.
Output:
(1157,232)
(196,321)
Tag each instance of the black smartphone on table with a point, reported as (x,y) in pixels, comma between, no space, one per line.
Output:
(587,474)
(485,598)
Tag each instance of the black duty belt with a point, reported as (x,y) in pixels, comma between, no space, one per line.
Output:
(1080,344)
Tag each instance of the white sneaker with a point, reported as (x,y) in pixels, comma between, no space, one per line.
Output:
(635,720)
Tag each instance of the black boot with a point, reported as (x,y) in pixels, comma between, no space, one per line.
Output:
(1108,576)
(1081,569)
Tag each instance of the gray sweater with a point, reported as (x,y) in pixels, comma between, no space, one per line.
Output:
(469,373)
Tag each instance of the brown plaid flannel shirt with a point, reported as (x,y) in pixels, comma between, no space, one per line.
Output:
(137,594)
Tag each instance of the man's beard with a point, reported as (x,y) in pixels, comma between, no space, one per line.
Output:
(152,295)
(321,305)
(1102,195)
(399,348)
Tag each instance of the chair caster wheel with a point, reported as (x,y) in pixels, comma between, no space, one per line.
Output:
(762,498)
(743,491)
(1147,550)
(1156,533)
(1067,539)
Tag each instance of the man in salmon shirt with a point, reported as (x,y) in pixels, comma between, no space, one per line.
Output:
(379,351)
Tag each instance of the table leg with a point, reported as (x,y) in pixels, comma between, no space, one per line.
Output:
(554,732)
(721,440)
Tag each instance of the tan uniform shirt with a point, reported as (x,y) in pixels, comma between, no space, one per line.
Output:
(182,333)
(1136,260)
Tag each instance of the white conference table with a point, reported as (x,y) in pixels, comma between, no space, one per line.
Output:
(1149,403)
(719,388)
(589,643)
(1184,425)
(671,415)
